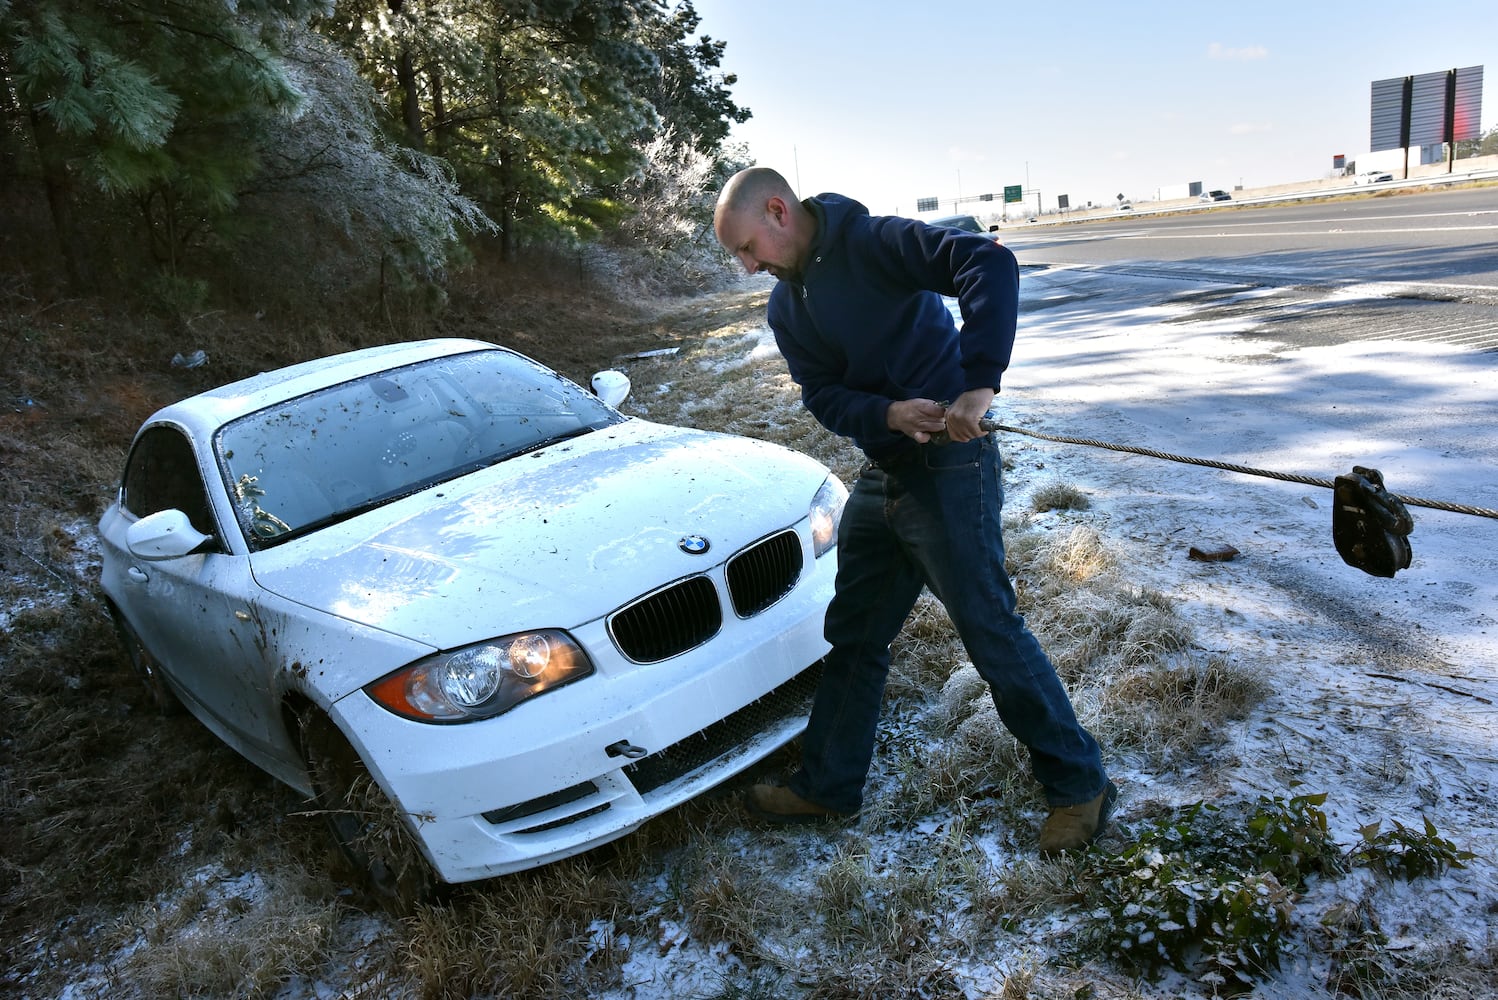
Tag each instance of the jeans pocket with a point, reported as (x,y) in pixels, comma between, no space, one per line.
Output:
(953,456)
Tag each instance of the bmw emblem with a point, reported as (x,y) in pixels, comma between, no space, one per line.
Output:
(694,545)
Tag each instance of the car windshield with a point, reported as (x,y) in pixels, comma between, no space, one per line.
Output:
(326,456)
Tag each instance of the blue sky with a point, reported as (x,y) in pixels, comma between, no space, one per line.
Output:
(891,101)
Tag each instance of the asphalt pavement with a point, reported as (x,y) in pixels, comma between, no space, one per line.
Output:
(1415,266)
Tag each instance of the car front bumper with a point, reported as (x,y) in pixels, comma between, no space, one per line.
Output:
(594,760)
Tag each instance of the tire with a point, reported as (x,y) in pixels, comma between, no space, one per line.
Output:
(159,695)
(371,834)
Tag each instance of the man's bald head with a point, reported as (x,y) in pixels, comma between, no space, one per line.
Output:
(759,220)
(751,189)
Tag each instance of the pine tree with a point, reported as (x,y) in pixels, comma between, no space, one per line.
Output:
(543,107)
(689,92)
(172,113)
(384,210)
(144,99)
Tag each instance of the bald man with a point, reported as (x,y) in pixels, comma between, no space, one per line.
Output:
(857,312)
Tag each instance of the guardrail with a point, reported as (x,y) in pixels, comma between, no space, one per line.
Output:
(1319,190)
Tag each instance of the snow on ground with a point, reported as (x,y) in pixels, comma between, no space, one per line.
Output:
(1384,689)
(1110,369)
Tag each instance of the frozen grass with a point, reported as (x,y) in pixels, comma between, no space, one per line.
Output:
(142,859)
(1058,496)
(205,943)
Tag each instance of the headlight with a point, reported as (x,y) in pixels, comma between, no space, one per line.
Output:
(826,511)
(481,681)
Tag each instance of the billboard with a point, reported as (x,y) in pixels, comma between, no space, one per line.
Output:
(1429,108)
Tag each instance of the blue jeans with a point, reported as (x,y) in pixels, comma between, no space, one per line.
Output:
(934,519)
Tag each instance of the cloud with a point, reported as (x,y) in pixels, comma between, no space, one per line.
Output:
(1219,51)
(1250,128)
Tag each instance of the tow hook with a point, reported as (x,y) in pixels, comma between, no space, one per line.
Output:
(624,748)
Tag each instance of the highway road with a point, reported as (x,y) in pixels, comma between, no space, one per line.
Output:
(1386,265)
(1446,237)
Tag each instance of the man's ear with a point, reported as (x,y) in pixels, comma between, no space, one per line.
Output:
(777,209)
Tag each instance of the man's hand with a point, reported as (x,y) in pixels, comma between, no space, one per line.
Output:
(965,412)
(916,418)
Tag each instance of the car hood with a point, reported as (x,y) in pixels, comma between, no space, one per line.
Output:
(554,538)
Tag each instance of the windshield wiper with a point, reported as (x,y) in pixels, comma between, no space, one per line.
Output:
(545,443)
(574,433)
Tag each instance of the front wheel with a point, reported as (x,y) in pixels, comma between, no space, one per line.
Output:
(370,831)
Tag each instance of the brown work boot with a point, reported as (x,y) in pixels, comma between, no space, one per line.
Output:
(783,807)
(1071,828)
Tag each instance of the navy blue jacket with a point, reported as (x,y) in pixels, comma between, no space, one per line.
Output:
(866,326)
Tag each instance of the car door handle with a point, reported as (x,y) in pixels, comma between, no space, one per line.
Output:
(137,575)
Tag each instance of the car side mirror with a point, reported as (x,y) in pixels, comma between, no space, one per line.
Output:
(611,386)
(166,534)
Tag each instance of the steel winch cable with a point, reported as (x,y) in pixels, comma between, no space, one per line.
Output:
(1459,508)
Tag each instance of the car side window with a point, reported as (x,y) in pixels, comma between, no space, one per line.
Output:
(162,474)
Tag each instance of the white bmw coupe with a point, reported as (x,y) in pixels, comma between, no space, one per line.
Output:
(479,617)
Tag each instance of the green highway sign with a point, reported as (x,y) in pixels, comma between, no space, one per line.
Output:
(1013,193)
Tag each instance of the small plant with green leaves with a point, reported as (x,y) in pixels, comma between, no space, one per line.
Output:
(1291,839)
(1210,889)
(1406,853)
(1158,909)
(1207,889)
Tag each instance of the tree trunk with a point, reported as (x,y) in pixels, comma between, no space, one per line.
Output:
(507,199)
(505,169)
(59,197)
(10,126)
(441,127)
(405,76)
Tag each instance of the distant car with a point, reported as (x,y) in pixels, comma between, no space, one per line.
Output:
(1125,207)
(1216,196)
(1373,177)
(966,223)
(443,591)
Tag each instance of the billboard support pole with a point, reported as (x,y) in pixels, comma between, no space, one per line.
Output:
(1404,122)
(1450,122)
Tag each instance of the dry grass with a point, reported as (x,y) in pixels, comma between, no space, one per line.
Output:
(102,803)
(205,944)
(726,899)
(925,652)
(1058,496)
(528,935)
(118,814)
(1165,714)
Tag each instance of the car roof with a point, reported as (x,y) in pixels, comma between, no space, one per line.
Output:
(207,411)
